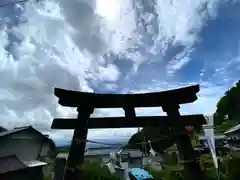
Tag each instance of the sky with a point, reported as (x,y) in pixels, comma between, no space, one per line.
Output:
(113,46)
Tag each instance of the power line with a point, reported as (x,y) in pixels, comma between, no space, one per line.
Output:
(131,144)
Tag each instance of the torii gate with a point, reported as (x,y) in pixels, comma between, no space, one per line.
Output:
(168,100)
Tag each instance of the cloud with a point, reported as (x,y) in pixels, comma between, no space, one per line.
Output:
(55,47)
(59,43)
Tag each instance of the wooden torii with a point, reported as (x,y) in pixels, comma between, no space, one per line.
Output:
(168,100)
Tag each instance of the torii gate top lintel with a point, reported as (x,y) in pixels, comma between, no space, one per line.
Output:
(84,99)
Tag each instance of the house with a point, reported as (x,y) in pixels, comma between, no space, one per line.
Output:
(233,138)
(12,168)
(133,157)
(27,144)
(130,157)
(219,140)
(233,131)
(98,154)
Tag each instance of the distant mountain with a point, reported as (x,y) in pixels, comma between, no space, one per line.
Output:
(114,142)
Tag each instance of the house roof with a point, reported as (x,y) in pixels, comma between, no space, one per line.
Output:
(34,163)
(20,129)
(233,129)
(217,137)
(106,151)
(99,151)
(15,130)
(10,163)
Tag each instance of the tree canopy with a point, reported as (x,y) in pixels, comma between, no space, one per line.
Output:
(226,116)
(160,138)
(2,129)
(228,107)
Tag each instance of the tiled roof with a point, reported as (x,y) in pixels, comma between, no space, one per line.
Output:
(10,164)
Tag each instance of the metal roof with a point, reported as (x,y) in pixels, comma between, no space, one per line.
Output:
(216,137)
(10,164)
(19,129)
(140,174)
(99,151)
(106,151)
(233,129)
(14,130)
(34,163)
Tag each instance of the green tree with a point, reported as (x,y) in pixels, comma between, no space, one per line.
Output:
(160,138)
(2,129)
(228,107)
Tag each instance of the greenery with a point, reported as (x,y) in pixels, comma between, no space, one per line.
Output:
(228,108)
(165,139)
(62,149)
(2,129)
(228,169)
(96,171)
(226,116)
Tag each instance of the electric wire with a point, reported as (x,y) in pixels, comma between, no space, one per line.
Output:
(144,142)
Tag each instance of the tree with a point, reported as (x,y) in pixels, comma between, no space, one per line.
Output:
(2,129)
(228,107)
(160,138)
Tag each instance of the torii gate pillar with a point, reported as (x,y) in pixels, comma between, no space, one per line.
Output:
(192,169)
(76,154)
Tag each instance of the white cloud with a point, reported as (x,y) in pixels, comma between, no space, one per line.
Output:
(179,60)
(179,24)
(56,49)
(60,43)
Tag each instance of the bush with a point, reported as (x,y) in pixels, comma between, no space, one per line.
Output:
(228,167)
(96,171)
(233,164)
(48,178)
(169,173)
(171,158)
